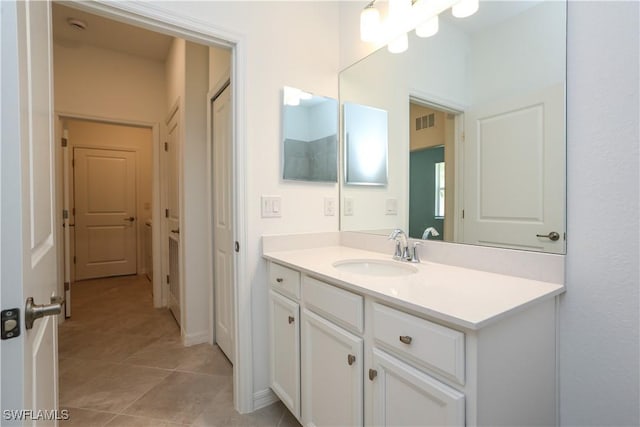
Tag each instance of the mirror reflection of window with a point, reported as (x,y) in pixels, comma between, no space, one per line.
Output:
(439,172)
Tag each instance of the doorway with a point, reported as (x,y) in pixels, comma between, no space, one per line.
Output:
(242,328)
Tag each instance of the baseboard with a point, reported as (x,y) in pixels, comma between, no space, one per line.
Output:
(263,398)
(197,338)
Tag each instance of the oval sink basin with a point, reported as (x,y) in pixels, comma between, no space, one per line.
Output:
(375,267)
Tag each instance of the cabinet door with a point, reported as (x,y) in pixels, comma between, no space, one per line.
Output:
(284,329)
(332,374)
(405,396)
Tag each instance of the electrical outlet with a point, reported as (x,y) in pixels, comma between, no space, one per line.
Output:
(348,206)
(391,207)
(329,206)
(271,206)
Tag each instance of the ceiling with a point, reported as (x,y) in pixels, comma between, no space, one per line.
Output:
(108,34)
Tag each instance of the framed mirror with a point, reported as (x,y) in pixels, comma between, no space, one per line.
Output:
(476,124)
(309,137)
(365,145)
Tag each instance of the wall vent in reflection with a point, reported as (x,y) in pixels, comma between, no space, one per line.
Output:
(425,122)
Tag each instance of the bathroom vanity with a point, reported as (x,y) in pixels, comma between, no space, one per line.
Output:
(371,343)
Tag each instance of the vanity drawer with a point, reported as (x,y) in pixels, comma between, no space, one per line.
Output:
(421,341)
(284,280)
(338,305)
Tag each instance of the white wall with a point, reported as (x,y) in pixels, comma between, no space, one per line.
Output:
(287,43)
(108,84)
(194,217)
(599,323)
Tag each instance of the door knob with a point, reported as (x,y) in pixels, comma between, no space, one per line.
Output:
(130,219)
(553,236)
(34,311)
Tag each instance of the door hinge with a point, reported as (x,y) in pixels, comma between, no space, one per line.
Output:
(168,279)
(166,213)
(65,142)
(74,259)
(65,214)
(462,213)
(73,211)
(73,163)
(166,146)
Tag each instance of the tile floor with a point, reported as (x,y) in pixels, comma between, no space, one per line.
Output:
(122,364)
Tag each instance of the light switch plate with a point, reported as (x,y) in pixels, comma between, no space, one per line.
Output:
(271,206)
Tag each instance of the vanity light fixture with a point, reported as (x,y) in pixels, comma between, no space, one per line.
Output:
(407,15)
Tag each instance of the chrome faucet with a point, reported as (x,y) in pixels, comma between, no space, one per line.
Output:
(402,245)
(428,231)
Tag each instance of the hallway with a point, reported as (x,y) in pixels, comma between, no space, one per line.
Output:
(121,363)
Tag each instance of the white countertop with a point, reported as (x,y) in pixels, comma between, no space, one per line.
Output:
(468,298)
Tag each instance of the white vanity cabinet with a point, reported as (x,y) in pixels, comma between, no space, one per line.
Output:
(284,335)
(350,357)
(405,396)
(332,381)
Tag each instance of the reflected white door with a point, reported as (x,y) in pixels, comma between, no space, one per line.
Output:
(29,255)
(514,176)
(223,244)
(105,203)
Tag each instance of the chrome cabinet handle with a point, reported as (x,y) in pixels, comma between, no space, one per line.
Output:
(373,374)
(291,319)
(34,311)
(351,359)
(405,339)
(553,236)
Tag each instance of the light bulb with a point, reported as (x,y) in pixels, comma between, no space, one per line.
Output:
(399,44)
(369,23)
(465,8)
(428,28)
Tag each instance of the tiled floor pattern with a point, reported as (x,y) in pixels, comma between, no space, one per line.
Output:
(122,364)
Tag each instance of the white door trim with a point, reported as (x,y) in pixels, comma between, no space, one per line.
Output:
(159,297)
(155,18)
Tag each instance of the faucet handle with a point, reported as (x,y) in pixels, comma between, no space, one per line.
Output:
(414,256)
(398,252)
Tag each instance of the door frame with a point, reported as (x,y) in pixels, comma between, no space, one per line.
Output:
(159,293)
(443,104)
(149,16)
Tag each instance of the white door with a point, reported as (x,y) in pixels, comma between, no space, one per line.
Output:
(28,257)
(223,244)
(284,334)
(171,247)
(514,180)
(332,374)
(105,204)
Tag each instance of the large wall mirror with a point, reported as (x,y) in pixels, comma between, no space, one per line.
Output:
(476,123)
